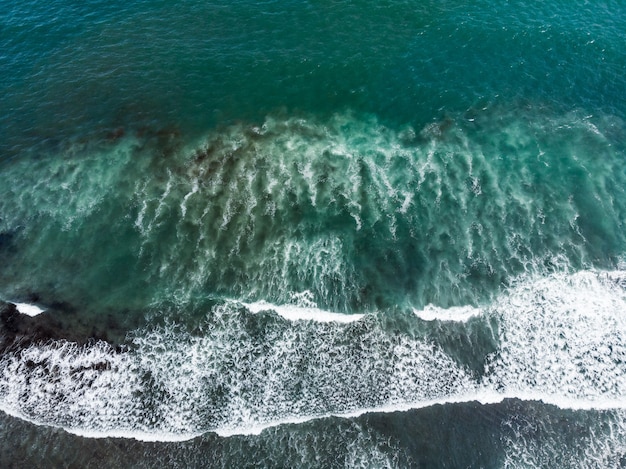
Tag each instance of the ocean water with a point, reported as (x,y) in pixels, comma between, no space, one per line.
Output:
(313,234)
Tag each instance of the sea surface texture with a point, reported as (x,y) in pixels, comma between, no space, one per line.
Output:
(313,233)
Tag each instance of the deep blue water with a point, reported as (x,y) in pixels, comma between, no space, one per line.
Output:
(381,234)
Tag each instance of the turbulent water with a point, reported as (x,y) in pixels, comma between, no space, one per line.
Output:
(313,234)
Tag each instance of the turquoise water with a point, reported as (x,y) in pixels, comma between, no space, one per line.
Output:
(283,233)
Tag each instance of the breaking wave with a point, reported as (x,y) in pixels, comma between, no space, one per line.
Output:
(555,338)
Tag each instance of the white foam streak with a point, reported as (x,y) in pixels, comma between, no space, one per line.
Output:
(302,313)
(29,309)
(132,434)
(457,314)
(183,204)
(151,436)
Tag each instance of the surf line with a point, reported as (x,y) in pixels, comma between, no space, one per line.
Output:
(484,398)
(28,309)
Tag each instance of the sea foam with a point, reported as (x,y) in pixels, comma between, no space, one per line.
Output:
(29,309)
(559,341)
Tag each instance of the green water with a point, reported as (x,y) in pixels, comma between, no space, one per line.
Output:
(361,215)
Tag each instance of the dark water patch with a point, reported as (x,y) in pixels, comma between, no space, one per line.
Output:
(453,435)
(58,322)
(6,240)
(469,342)
(9,247)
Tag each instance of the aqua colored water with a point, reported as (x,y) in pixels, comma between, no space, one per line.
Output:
(313,234)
